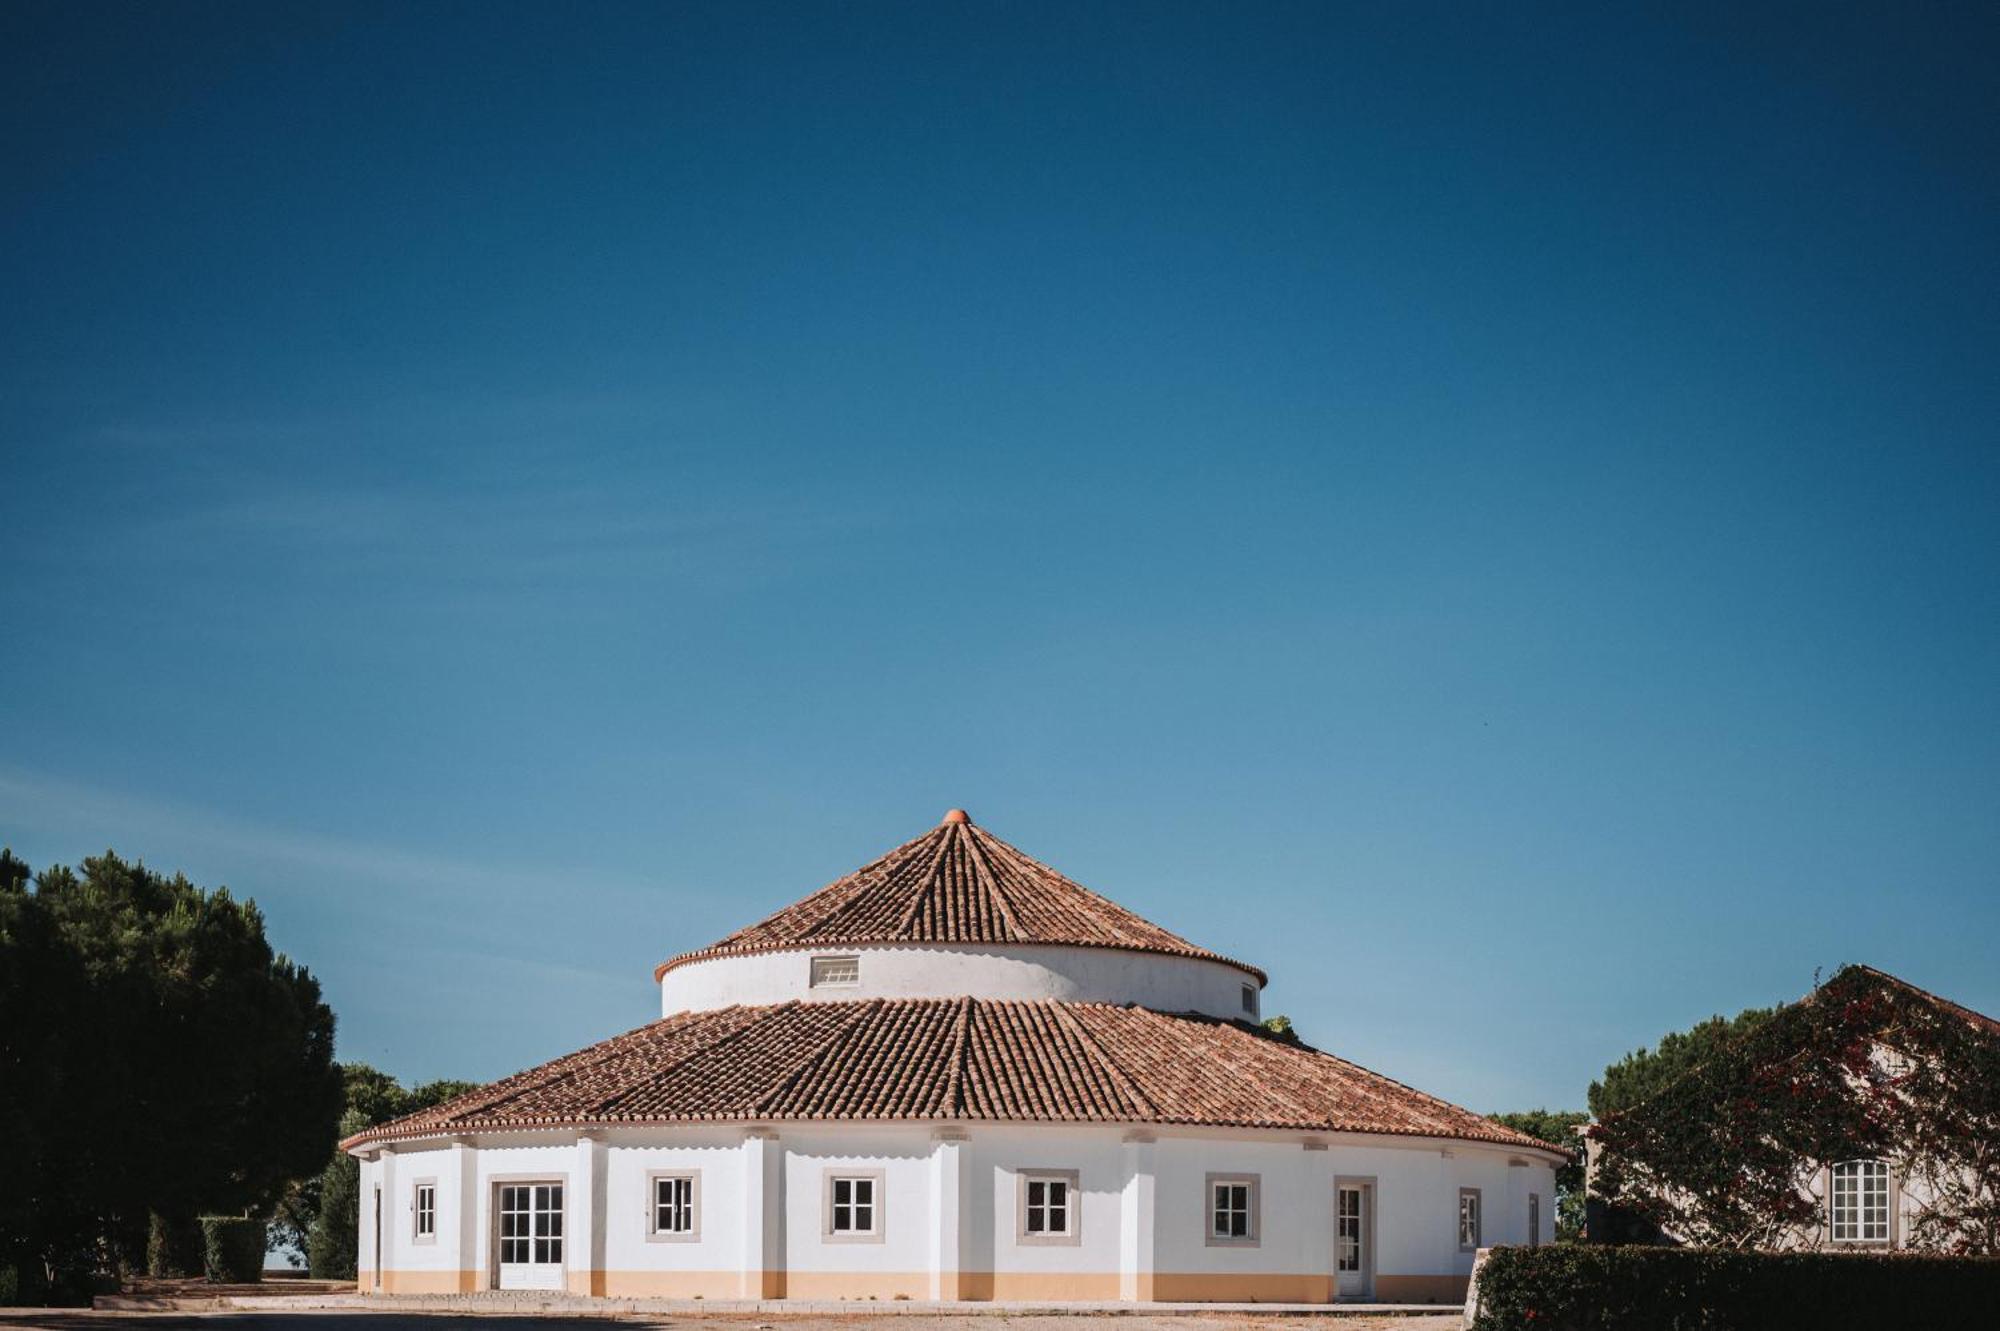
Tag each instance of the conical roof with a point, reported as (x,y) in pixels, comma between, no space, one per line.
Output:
(952,1059)
(957,883)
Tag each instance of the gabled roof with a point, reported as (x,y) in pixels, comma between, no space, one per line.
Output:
(1978,1019)
(957,883)
(951,1059)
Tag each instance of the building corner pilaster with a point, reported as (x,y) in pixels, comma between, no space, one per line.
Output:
(1136,1248)
(468,1217)
(950,1167)
(763,1272)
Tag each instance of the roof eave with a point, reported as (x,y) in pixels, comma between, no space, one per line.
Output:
(827,944)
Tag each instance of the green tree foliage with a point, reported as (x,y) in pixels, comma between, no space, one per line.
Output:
(322,1215)
(1643,1073)
(1281,1026)
(1728,1154)
(1558,1127)
(158,1058)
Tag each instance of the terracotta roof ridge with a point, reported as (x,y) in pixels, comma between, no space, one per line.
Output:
(1309,1111)
(974,839)
(819,1054)
(908,923)
(567,1065)
(1119,1077)
(961,1039)
(446,1112)
(702,1047)
(865,880)
(1501,1131)
(836,897)
(1121,935)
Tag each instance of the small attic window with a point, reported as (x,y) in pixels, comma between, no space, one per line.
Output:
(1250,1000)
(835,972)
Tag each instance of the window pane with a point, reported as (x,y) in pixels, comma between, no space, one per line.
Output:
(843,1191)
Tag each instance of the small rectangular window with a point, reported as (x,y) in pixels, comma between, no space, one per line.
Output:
(425,1207)
(1232,1210)
(854,1206)
(1047,1201)
(835,972)
(1468,1219)
(675,1207)
(1250,1000)
(1534,1220)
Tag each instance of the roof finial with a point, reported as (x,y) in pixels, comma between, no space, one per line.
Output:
(957,816)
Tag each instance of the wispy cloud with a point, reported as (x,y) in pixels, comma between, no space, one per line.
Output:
(86,816)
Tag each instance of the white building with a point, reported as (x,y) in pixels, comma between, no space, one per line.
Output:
(953,1074)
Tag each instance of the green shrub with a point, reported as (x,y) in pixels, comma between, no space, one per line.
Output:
(173,1246)
(1570,1288)
(232,1249)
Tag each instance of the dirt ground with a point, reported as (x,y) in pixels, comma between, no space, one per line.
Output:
(77,1320)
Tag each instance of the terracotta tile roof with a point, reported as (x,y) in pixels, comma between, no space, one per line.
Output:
(946,1059)
(957,883)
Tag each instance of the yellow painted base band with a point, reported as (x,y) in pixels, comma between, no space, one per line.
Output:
(984,1286)
(1207,1287)
(1421,1289)
(975,1286)
(880,1285)
(423,1282)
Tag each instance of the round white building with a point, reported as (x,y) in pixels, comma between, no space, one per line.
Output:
(952,1074)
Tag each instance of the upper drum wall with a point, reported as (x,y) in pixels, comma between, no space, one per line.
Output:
(953,970)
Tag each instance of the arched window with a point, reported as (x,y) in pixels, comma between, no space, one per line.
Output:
(1859,1202)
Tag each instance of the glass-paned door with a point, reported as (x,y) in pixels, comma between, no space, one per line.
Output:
(1351,1239)
(531,1235)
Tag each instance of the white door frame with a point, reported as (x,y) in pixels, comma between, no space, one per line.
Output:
(547,1178)
(1365,1278)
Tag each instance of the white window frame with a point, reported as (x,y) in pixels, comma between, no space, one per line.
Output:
(1253,1186)
(691,1234)
(834,970)
(1469,1234)
(418,1211)
(1860,1178)
(1026,1181)
(1250,1001)
(877,1213)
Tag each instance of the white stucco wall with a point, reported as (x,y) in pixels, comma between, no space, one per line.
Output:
(1081,974)
(716,1157)
(949,1202)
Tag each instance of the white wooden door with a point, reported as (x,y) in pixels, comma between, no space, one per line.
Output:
(1353,1262)
(531,1235)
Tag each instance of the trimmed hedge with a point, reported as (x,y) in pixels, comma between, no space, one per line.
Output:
(1580,1288)
(232,1249)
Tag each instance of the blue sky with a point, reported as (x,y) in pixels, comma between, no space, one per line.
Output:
(1489,512)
